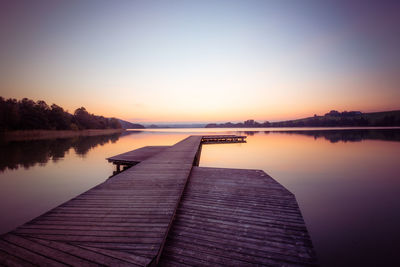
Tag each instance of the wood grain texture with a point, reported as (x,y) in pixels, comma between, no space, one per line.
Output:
(137,155)
(228,217)
(132,211)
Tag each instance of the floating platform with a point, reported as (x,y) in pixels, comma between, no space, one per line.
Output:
(166,211)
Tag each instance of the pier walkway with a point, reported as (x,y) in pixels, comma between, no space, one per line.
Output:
(165,211)
(235,217)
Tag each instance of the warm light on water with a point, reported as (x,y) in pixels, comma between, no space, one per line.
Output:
(346,181)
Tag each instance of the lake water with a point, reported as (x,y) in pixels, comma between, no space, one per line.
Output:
(347,182)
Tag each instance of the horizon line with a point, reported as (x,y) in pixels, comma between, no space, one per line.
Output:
(238,121)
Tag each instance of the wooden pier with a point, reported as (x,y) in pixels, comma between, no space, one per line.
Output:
(134,157)
(165,211)
(220,139)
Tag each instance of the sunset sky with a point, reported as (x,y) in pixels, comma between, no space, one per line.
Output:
(202,61)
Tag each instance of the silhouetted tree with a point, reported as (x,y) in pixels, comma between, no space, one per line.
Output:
(29,115)
(59,119)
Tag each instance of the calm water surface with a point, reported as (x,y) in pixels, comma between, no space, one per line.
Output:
(347,182)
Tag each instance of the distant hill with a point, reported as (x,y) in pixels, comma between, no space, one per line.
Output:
(182,125)
(154,126)
(332,119)
(130,125)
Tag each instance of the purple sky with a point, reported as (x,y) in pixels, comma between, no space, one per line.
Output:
(193,61)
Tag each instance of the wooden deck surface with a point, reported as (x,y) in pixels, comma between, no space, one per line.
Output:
(236,217)
(223,139)
(137,155)
(126,220)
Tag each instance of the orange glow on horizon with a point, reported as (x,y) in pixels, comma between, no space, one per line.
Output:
(143,65)
(143,114)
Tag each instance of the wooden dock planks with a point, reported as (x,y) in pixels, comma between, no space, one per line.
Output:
(223,139)
(226,217)
(129,214)
(137,155)
(237,217)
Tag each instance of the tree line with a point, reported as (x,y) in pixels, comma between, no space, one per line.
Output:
(331,119)
(27,114)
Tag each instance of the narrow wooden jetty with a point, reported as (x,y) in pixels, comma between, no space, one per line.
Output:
(134,157)
(219,139)
(166,211)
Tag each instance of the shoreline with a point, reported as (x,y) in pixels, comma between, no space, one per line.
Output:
(269,129)
(22,135)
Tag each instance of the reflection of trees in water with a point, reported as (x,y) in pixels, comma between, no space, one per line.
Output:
(15,154)
(84,144)
(249,133)
(124,133)
(355,135)
(334,136)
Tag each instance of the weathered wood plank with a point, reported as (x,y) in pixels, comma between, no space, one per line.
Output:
(152,233)
(247,256)
(118,246)
(46,251)
(9,260)
(129,257)
(112,228)
(98,239)
(116,220)
(248,232)
(28,255)
(138,155)
(99,258)
(238,225)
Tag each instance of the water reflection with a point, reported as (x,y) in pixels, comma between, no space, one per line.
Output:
(358,135)
(334,136)
(26,154)
(346,181)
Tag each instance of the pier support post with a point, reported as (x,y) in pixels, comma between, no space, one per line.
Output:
(196,160)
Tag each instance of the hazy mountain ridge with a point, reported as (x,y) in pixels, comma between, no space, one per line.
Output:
(331,119)
(176,125)
(130,125)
